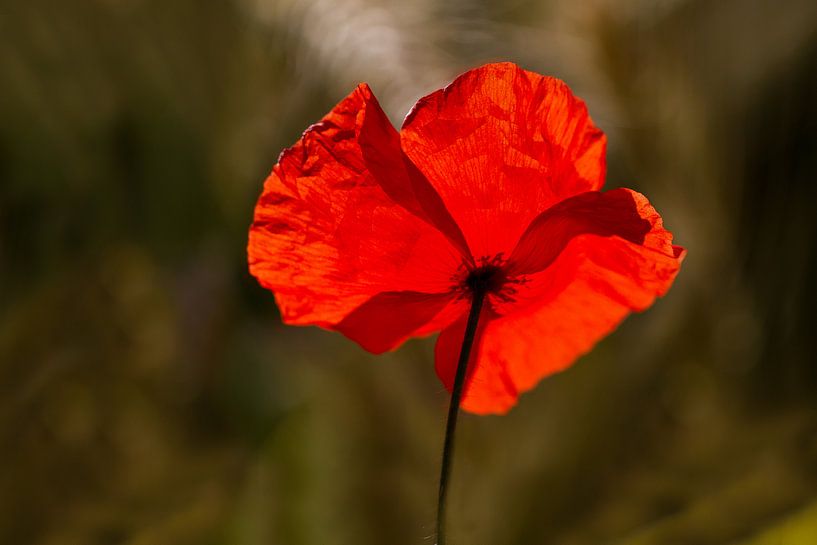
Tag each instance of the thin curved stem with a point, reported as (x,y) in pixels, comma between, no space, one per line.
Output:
(454,406)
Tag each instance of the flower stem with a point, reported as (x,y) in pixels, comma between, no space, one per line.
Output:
(478,291)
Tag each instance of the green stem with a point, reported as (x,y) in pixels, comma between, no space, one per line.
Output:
(454,407)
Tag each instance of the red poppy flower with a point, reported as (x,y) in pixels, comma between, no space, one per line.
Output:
(377,233)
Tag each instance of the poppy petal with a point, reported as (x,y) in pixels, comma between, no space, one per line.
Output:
(329,234)
(620,212)
(489,388)
(501,144)
(389,318)
(569,300)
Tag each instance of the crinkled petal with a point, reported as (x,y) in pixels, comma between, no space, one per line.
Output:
(488,386)
(586,266)
(330,232)
(500,145)
(622,212)
(389,318)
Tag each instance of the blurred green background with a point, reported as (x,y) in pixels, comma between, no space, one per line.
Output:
(149,393)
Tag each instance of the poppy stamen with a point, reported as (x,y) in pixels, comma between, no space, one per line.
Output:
(490,277)
(487,279)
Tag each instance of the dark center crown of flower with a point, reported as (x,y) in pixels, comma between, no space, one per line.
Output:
(488,276)
(485,279)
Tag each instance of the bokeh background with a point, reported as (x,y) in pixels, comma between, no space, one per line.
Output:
(149,393)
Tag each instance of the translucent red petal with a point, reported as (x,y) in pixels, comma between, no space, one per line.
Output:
(587,265)
(330,234)
(500,145)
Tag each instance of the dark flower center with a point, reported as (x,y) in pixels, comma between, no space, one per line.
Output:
(485,279)
(489,276)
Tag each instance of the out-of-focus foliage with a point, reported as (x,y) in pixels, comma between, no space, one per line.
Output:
(149,394)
